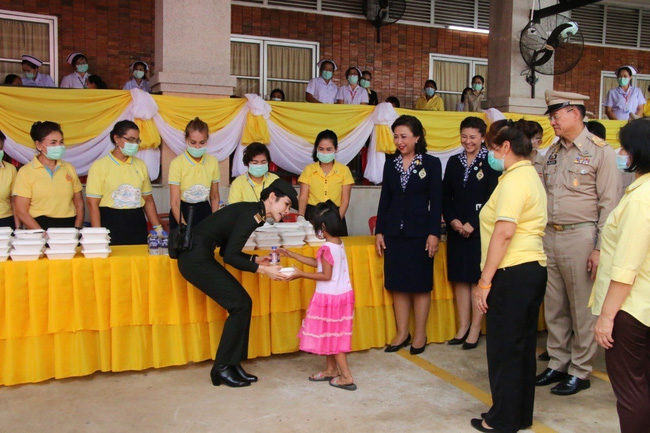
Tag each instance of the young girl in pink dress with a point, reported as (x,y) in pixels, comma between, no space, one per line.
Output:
(327,327)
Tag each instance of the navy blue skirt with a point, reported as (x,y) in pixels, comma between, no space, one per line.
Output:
(463,258)
(407,266)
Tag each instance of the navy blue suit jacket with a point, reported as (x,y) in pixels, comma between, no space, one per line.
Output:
(418,208)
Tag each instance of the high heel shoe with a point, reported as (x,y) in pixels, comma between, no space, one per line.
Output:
(226,375)
(456,341)
(240,371)
(418,350)
(404,343)
(470,346)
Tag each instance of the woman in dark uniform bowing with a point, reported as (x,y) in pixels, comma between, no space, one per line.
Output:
(229,228)
(467,185)
(408,229)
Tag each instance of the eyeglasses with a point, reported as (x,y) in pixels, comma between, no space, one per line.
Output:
(132,140)
(556,117)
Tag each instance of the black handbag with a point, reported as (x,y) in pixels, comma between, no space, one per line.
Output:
(180,238)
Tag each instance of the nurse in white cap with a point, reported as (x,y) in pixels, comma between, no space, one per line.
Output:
(322,89)
(624,100)
(139,77)
(31,67)
(79,78)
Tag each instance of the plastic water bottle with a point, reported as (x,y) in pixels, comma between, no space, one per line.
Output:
(163,241)
(275,257)
(152,243)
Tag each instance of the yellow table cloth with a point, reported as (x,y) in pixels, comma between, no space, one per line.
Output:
(134,311)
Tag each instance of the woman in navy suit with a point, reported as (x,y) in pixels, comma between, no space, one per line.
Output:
(408,229)
(467,185)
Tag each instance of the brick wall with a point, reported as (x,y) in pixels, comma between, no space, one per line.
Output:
(399,64)
(111,33)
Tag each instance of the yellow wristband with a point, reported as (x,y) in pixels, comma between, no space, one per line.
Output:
(484,287)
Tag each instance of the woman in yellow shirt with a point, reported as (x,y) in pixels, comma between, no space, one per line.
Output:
(47,191)
(513,278)
(621,294)
(7,178)
(194,178)
(325,179)
(430,101)
(118,190)
(249,186)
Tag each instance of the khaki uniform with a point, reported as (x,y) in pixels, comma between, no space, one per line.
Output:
(538,163)
(582,183)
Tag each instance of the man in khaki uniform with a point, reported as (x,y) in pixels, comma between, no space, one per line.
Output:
(582,183)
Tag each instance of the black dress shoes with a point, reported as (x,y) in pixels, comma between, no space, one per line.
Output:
(470,346)
(544,356)
(404,343)
(226,374)
(240,371)
(457,341)
(571,385)
(418,350)
(549,376)
(477,423)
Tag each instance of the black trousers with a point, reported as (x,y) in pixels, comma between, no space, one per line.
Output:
(202,210)
(46,222)
(8,222)
(200,268)
(629,369)
(127,226)
(513,310)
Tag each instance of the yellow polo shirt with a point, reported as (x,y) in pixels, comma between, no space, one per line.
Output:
(434,104)
(119,185)
(519,198)
(322,187)
(194,178)
(243,188)
(7,178)
(646,109)
(625,252)
(50,192)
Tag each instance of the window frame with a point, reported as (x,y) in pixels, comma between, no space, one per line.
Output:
(53,24)
(471,61)
(264,43)
(634,82)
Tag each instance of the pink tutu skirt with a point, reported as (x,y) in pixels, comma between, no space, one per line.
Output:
(327,327)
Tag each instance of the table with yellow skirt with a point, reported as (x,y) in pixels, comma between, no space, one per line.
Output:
(134,311)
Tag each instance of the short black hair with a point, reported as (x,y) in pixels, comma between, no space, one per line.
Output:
(480,77)
(393,100)
(9,79)
(28,63)
(97,81)
(121,127)
(78,57)
(624,68)
(139,62)
(635,140)
(414,124)
(435,86)
(327,134)
(254,149)
(40,130)
(474,122)
(350,69)
(530,128)
(366,72)
(280,91)
(597,128)
(326,217)
(514,133)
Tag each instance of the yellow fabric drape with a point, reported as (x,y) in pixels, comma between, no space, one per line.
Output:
(149,134)
(256,129)
(307,120)
(134,311)
(384,136)
(83,114)
(178,111)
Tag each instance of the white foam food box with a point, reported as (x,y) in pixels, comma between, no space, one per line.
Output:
(29,234)
(53,254)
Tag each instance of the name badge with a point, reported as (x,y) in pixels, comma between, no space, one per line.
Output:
(552,160)
(480,175)
(423,174)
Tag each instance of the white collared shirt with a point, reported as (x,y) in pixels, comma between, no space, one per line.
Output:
(322,91)
(41,80)
(355,96)
(133,84)
(74,81)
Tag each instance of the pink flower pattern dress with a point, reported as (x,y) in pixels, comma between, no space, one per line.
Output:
(327,327)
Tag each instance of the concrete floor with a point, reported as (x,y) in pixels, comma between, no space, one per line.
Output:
(438,391)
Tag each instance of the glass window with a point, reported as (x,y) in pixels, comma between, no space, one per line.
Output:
(453,74)
(27,34)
